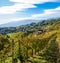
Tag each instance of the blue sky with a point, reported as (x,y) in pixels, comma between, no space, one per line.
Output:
(18,10)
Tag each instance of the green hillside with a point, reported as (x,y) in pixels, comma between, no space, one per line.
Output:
(33,27)
(31,43)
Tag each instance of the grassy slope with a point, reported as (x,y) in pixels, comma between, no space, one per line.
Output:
(43,56)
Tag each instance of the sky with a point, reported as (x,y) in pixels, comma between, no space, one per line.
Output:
(18,10)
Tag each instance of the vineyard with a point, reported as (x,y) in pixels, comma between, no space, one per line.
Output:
(36,47)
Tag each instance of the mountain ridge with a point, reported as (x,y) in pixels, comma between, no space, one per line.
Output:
(17,23)
(33,27)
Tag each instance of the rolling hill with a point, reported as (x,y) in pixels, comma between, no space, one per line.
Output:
(32,27)
(35,43)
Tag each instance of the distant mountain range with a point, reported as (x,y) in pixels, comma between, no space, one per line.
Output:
(30,26)
(17,23)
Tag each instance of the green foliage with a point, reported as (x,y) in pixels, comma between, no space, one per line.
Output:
(35,43)
(33,27)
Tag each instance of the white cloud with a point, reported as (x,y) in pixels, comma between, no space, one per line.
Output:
(49,13)
(21,5)
(7,20)
(20,19)
(33,1)
(14,8)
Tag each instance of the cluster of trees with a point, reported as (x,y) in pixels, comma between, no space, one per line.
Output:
(33,27)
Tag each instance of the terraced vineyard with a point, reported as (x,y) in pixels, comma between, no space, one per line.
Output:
(36,47)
